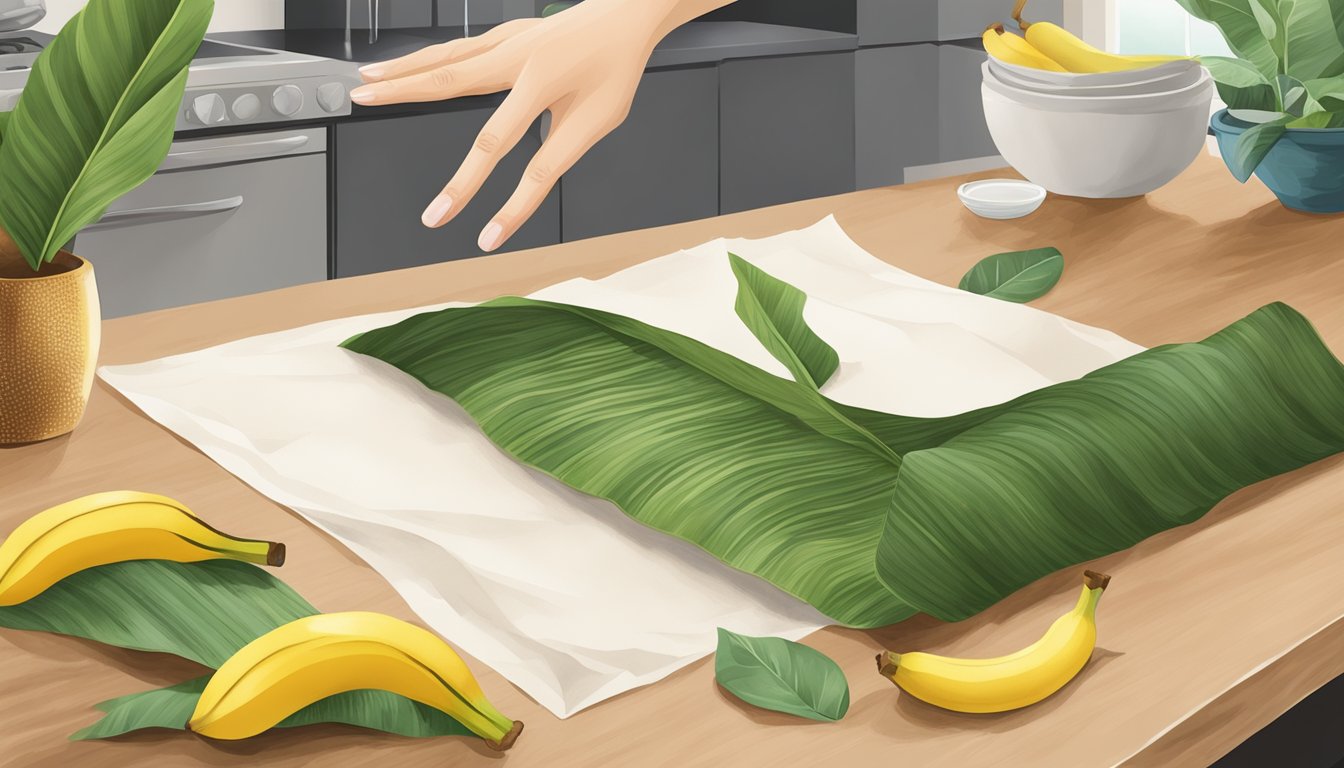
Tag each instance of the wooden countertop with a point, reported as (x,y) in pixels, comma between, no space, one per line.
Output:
(1207,634)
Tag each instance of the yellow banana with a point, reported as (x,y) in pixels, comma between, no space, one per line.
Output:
(312,658)
(1012,49)
(112,528)
(1007,682)
(1077,56)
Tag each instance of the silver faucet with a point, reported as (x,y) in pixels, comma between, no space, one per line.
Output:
(373,20)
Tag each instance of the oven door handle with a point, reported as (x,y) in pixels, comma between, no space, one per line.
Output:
(165,213)
(233,153)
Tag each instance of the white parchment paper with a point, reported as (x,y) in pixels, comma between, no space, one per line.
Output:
(561,593)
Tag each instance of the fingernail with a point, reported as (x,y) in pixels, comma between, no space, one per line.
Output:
(364,94)
(491,236)
(437,211)
(371,71)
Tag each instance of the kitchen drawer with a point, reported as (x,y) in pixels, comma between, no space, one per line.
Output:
(389,169)
(661,166)
(786,129)
(896,112)
(211,233)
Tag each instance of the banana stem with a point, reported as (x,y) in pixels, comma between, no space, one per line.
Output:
(888,662)
(507,741)
(1017,15)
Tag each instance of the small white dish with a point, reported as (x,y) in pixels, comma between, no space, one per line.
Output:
(1001,198)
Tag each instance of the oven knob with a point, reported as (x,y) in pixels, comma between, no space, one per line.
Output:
(331,96)
(287,100)
(208,110)
(247,106)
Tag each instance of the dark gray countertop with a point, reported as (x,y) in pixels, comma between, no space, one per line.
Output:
(699,42)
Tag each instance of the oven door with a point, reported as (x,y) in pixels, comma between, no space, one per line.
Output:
(225,216)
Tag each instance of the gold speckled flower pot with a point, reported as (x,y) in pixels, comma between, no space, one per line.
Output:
(50,328)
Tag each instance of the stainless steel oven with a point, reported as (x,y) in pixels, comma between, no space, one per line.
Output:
(224,216)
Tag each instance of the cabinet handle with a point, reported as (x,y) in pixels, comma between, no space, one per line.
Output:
(233,153)
(164,213)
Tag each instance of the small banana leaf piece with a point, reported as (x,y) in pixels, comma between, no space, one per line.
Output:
(203,612)
(871,516)
(1019,276)
(781,675)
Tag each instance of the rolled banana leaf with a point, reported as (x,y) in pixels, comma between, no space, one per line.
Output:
(869,516)
(203,612)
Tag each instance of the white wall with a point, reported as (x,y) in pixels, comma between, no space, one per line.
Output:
(229,14)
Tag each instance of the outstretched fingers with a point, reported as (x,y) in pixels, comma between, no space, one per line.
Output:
(435,56)
(497,138)
(572,136)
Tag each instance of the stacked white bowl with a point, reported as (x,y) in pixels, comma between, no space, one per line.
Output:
(1108,134)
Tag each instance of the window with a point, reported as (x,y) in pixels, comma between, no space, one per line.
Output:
(1163,26)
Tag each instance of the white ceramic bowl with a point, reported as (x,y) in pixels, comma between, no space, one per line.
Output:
(1125,104)
(1161,84)
(1113,148)
(1089,79)
(1001,198)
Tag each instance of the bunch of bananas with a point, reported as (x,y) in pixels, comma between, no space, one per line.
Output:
(1051,47)
(280,672)
(1007,682)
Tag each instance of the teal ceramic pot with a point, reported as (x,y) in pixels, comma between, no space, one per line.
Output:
(1305,169)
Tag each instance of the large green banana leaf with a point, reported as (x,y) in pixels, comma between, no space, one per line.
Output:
(870,516)
(203,612)
(96,118)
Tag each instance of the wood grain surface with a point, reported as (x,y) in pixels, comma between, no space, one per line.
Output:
(1207,633)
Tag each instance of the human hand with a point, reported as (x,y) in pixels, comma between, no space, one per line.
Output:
(582,65)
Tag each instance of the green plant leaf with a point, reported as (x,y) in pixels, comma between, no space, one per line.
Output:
(782,676)
(203,612)
(173,706)
(1319,120)
(96,118)
(1240,85)
(553,8)
(1329,92)
(1254,144)
(4,124)
(759,471)
(1239,22)
(1018,276)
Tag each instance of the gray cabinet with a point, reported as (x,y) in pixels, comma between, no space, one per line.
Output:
(786,129)
(896,112)
(886,22)
(389,169)
(660,167)
(962,132)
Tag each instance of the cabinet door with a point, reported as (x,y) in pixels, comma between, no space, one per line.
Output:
(896,112)
(211,233)
(389,169)
(787,129)
(886,22)
(660,167)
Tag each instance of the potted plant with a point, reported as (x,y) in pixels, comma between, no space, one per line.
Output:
(95,121)
(1285,96)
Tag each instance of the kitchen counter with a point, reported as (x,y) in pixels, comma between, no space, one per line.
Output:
(1207,633)
(699,42)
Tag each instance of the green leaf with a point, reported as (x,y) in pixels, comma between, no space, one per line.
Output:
(780,482)
(172,707)
(1018,276)
(1319,120)
(553,8)
(775,312)
(4,123)
(1239,21)
(782,676)
(96,118)
(1254,144)
(1312,38)
(203,612)
(1329,92)
(1240,85)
